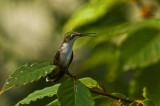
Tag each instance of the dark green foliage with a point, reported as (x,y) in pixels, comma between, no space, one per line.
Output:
(148,102)
(76,88)
(74,93)
(143,78)
(141,48)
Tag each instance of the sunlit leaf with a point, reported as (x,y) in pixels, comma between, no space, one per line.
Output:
(89,82)
(27,74)
(54,103)
(90,13)
(108,28)
(40,94)
(74,93)
(145,93)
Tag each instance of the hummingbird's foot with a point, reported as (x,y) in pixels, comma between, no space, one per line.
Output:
(47,80)
(72,76)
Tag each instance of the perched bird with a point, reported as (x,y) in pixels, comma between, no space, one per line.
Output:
(64,56)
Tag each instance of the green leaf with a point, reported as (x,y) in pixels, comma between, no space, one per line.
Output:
(141,48)
(74,93)
(148,102)
(148,78)
(89,82)
(27,74)
(90,13)
(40,94)
(145,93)
(108,28)
(117,31)
(54,103)
(133,104)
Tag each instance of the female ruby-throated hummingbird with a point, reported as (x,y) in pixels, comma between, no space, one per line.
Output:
(64,56)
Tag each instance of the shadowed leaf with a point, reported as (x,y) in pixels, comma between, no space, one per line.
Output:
(148,78)
(148,102)
(141,48)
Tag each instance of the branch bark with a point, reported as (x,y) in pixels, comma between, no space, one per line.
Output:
(111,96)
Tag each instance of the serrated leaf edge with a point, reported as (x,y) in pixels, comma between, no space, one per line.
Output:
(36,98)
(25,74)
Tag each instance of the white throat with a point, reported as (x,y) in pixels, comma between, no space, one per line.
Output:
(66,52)
(68,45)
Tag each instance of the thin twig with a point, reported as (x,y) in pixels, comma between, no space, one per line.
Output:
(103,88)
(112,96)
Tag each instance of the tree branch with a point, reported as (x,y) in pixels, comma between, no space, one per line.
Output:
(111,96)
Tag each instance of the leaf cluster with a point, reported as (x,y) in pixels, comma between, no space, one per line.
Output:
(69,93)
(125,42)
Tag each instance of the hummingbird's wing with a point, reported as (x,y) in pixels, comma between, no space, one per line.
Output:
(58,73)
(56,59)
(52,75)
(70,59)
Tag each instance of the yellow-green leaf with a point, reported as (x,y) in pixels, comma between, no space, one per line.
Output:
(89,82)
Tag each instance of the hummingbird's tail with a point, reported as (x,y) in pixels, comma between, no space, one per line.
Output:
(55,76)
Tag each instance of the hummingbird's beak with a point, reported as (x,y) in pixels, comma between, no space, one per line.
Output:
(86,34)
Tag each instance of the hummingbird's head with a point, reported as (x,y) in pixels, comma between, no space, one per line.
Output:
(72,36)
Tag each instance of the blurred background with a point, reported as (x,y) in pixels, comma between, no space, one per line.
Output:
(124,56)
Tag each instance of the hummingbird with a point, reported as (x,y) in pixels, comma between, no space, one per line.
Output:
(64,56)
